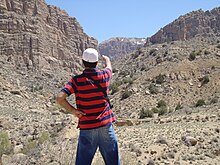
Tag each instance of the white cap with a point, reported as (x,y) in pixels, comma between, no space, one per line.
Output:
(90,55)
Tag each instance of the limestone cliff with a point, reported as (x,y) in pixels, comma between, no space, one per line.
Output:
(196,23)
(34,35)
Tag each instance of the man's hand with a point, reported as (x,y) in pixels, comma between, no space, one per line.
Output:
(61,100)
(78,114)
(107,62)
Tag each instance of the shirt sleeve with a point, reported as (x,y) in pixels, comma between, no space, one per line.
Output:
(70,87)
(109,72)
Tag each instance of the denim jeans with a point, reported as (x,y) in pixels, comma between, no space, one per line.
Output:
(102,137)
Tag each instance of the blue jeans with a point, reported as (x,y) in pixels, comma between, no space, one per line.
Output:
(102,137)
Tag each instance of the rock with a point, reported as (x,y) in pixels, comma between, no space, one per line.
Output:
(196,23)
(18,148)
(118,47)
(123,123)
(26,27)
(189,140)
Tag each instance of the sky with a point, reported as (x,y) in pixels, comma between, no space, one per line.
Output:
(104,19)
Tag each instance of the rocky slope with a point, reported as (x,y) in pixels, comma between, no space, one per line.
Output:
(119,46)
(196,23)
(180,73)
(34,35)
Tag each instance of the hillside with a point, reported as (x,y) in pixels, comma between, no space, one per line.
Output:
(167,72)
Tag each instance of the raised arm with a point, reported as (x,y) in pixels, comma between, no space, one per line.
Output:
(107,62)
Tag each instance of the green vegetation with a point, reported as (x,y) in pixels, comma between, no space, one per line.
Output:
(126,94)
(44,136)
(161,103)
(153,89)
(5,145)
(33,144)
(146,113)
(159,79)
(200,103)
(178,106)
(204,80)
(192,56)
(214,100)
(162,107)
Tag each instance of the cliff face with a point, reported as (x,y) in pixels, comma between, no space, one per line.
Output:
(197,23)
(35,35)
(118,47)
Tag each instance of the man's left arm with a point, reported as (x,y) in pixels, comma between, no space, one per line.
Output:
(62,101)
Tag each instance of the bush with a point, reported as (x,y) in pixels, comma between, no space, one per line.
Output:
(204,80)
(153,89)
(179,106)
(155,110)
(30,145)
(162,110)
(5,145)
(45,136)
(160,79)
(114,86)
(146,113)
(214,100)
(161,103)
(126,94)
(200,103)
(192,56)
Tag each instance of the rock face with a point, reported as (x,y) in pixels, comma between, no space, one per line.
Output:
(196,23)
(118,47)
(35,35)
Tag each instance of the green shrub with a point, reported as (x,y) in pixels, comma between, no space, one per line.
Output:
(192,56)
(126,94)
(204,80)
(153,89)
(30,145)
(114,87)
(44,136)
(159,79)
(178,106)
(200,103)
(146,113)
(5,145)
(155,110)
(162,110)
(161,103)
(214,100)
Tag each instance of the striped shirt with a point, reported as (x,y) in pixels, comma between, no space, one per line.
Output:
(90,99)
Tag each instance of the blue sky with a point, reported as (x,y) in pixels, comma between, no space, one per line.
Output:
(103,19)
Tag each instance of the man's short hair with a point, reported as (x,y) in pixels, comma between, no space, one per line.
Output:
(90,64)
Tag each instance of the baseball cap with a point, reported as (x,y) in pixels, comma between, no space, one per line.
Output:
(90,55)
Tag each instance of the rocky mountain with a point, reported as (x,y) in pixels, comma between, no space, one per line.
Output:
(196,23)
(34,35)
(120,46)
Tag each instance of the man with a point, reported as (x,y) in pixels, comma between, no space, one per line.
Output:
(93,110)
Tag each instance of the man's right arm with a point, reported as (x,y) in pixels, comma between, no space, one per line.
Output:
(107,62)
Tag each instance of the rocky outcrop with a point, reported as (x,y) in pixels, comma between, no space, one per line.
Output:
(34,35)
(118,47)
(196,23)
